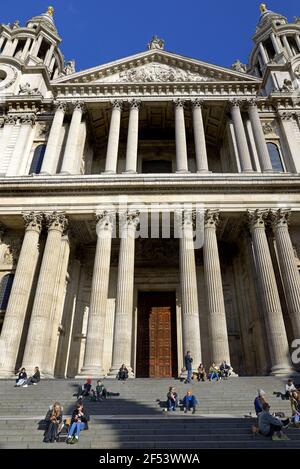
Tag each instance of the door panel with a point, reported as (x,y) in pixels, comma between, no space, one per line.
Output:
(156,335)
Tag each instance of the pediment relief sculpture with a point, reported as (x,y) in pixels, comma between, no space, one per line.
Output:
(160,73)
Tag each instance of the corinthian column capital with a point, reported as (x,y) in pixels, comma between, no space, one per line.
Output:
(179,102)
(57,221)
(211,218)
(135,103)
(79,106)
(233,103)
(33,220)
(130,219)
(105,220)
(117,104)
(61,106)
(257,218)
(279,218)
(197,103)
(253,102)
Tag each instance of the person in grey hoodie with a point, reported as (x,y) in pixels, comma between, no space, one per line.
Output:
(269,425)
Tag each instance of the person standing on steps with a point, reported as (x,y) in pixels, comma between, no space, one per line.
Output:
(188,365)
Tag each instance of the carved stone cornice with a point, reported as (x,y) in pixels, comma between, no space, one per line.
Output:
(33,220)
(257,218)
(287,115)
(211,218)
(11,119)
(57,221)
(279,218)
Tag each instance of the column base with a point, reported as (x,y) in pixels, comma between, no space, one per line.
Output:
(248,171)
(204,171)
(182,171)
(109,172)
(129,171)
(283,370)
(94,373)
(65,173)
(7,374)
(112,374)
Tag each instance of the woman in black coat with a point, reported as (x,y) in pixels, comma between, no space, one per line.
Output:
(53,419)
(36,377)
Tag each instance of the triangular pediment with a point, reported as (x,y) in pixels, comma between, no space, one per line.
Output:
(157,66)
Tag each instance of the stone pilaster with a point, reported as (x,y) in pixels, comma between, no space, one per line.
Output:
(36,344)
(93,358)
(51,157)
(180,137)
(199,136)
(71,160)
(20,293)
(132,139)
(189,293)
(240,136)
(268,292)
(288,267)
(217,324)
(113,138)
(122,341)
(17,162)
(260,141)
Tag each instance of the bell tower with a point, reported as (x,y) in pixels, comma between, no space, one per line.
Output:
(276,53)
(29,55)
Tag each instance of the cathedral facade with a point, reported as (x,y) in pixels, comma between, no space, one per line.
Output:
(149,206)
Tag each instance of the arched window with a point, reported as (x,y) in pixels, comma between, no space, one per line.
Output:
(275,157)
(37,159)
(5,289)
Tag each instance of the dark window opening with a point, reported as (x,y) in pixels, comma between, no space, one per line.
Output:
(156,166)
(275,157)
(43,50)
(5,289)
(3,45)
(37,160)
(269,48)
(293,45)
(19,48)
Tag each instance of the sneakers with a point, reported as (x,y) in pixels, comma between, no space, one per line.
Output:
(34,384)
(185,411)
(194,411)
(284,437)
(276,438)
(25,386)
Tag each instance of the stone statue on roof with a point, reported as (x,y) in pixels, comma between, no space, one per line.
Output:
(239,67)
(156,43)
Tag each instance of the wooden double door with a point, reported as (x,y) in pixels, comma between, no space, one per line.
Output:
(156,335)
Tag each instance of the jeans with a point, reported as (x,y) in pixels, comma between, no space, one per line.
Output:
(189,375)
(213,375)
(78,426)
(296,418)
(171,404)
(189,403)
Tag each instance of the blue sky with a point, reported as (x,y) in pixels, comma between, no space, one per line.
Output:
(98,31)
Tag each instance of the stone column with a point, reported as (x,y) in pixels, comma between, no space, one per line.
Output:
(58,298)
(288,267)
(180,137)
(199,136)
(287,125)
(20,293)
(70,163)
(297,38)
(49,55)
(36,46)
(260,141)
(275,43)
(217,324)
(189,293)
(26,48)
(122,340)
(287,46)
(113,138)
(263,53)
(93,357)
(132,139)
(36,344)
(241,139)
(17,159)
(9,122)
(269,297)
(51,156)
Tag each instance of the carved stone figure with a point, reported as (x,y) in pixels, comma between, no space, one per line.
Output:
(160,73)
(239,67)
(287,86)
(156,43)
(297,72)
(26,89)
(69,67)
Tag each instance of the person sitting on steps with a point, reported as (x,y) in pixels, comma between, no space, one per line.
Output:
(123,373)
(259,401)
(189,402)
(201,373)
(270,426)
(53,420)
(225,369)
(79,422)
(214,372)
(84,390)
(295,405)
(35,378)
(22,379)
(172,399)
(101,391)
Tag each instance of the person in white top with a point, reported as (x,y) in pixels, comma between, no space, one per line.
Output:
(289,388)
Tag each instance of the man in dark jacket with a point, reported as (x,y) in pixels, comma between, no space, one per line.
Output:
(188,365)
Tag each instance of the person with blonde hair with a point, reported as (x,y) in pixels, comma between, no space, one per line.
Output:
(53,420)
(295,405)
